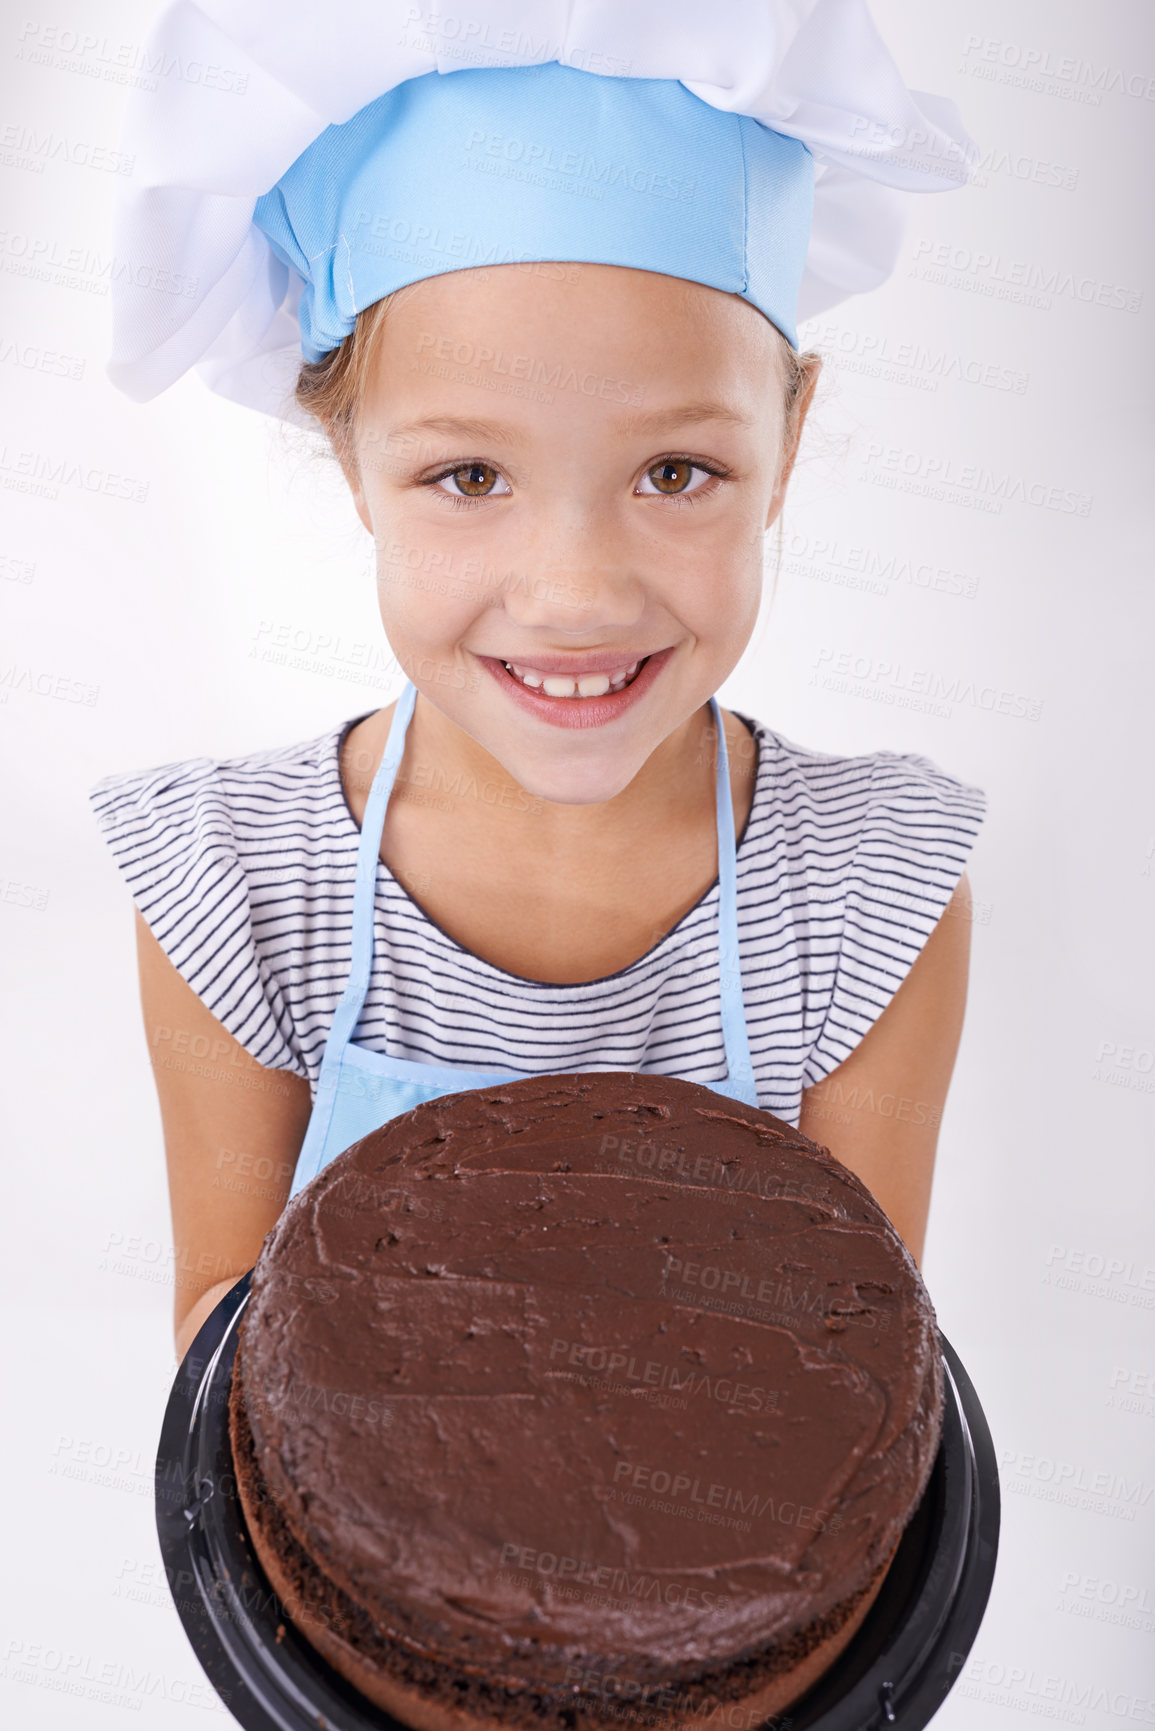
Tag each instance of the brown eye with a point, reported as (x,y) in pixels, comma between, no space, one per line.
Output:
(475,480)
(671,477)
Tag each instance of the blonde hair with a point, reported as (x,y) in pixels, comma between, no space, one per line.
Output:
(331,389)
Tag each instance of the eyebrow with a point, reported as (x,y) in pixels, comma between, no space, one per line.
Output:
(488,432)
(686,414)
(491,432)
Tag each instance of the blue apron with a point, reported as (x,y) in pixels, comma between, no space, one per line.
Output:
(359,1090)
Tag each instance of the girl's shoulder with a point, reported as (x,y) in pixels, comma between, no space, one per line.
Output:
(857,856)
(895,822)
(255,790)
(788,770)
(228,860)
(787,759)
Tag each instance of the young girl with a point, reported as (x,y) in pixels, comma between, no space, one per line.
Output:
(547,319)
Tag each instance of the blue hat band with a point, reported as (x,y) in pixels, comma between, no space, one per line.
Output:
(511,165)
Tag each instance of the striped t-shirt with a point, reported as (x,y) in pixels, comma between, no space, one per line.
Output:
(244,869)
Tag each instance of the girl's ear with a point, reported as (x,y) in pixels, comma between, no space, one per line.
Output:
(811,367)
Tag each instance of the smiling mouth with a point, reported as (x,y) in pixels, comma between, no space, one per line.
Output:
(575,685)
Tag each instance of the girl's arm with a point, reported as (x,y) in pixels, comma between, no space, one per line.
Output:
(232,1133)
(233,1129)
(879,1111)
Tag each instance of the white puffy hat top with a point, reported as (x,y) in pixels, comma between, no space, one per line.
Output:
(247,90)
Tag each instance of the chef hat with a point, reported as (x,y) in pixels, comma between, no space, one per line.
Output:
(294,166)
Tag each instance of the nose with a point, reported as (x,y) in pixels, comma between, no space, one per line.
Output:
(572,579)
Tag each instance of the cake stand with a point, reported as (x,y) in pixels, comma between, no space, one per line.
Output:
(895,1672)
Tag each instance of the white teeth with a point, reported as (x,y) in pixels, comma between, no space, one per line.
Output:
(564,685)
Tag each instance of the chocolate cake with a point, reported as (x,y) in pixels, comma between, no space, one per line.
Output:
(586,1400)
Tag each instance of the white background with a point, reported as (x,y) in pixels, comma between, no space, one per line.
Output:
(1029,626)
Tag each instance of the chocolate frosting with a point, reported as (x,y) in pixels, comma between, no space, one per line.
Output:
(594,1367)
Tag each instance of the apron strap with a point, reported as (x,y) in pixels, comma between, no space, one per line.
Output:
(738,1062)
(368,855)
(739,1066)
(312,1154)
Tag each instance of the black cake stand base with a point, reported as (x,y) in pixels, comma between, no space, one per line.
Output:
(896,1671)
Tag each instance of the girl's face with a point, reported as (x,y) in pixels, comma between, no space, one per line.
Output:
(568,471)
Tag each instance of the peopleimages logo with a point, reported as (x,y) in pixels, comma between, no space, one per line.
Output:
(825,559)
(536,155)
(693,1490)
(882,680)
(990,273)
(876,355)
(18,141)
(1042,69)
(962,483)
(608,1578)
(135,64)
(641,1375)
(483,358)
